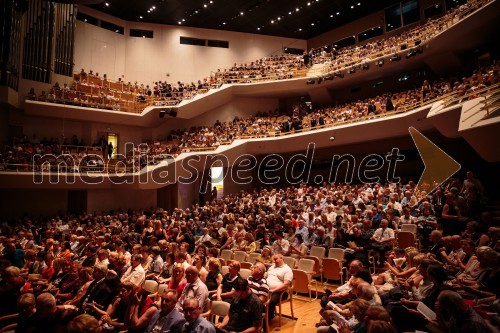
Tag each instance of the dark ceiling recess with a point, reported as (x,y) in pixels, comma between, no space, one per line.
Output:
(287,18)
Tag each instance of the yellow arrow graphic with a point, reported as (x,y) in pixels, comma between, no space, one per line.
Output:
(439,166)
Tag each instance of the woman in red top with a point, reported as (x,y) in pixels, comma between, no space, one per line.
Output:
(177,282)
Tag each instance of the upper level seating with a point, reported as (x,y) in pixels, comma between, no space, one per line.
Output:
(90,90)
(204,138)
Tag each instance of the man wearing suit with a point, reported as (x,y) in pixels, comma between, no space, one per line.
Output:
(98,291)
(168,319)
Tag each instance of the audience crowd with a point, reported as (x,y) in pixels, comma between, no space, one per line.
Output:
(95,269)
(92,90)
(19,156)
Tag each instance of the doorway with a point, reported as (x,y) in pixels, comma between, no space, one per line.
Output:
(113,140)
(105,139)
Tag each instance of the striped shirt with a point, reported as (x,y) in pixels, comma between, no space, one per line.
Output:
(259,287)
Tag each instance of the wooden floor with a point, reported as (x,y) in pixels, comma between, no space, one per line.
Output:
(306,312)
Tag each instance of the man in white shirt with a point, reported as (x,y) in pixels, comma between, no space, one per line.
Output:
(383,239)
(279,277)
(280,245)
(205,237)
(135,273)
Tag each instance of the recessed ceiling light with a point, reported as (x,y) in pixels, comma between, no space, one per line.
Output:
(300,29)
(312,23)
(352,7)
(331,15)
(279,18)
(116,30)
(140,17)
(359,3)
(289,13)
(241,13)
(211,1)
(179,22)
(153,7)
(258,28)
(297,9)
(308,3)
(272,21)
(224,23)
(205,5)
(183,20)
(149,10)
(107,4)
(338,13)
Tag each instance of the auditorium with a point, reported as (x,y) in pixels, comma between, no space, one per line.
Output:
(249,166)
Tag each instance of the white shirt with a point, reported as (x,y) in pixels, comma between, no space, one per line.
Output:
(135,275)
(276,276)
(383,234)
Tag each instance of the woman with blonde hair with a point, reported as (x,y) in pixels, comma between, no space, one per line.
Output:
(177,282)
(214,277)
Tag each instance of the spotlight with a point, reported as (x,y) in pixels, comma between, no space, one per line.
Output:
(162,113)
(365,67)
(351,71)
(340,75)
(380,63)
(328,77)
(332,138)
(395,57)
(310,81)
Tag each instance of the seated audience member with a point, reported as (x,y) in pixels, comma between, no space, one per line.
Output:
(168,319)
(49,317)
(455,316)
(245,312)
(258,283)
(26,307)
(383,239)
(141,309)
(279,277)
(99,290)
(194,322)
(84,323)
(135,273)
(10,290)
(214,277)
(410,319)
(225,290)
(195,288)
(266,256)
(344,292)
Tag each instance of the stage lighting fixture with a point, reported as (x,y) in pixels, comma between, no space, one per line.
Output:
(340,75)
(366,67)
(310,81)
(380,63)
(351,71)
(162,113)
(328,77)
